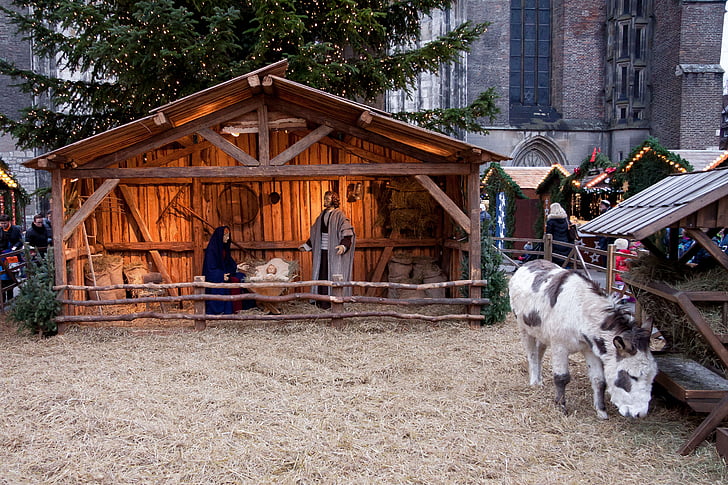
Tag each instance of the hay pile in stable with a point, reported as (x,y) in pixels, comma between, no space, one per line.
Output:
(380,401)
(681,335)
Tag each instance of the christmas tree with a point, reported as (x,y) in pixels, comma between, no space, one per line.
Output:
(119,59)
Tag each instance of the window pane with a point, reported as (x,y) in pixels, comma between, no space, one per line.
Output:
(543,97)
(529,64)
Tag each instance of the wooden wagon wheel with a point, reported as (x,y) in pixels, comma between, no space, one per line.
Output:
(237,205)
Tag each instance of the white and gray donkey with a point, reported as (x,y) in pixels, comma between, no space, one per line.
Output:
(562,309)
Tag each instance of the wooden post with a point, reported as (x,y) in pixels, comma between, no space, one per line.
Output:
(59,250)
(475,244)
(610,269)
(200,304)
(548,247)
(337,291)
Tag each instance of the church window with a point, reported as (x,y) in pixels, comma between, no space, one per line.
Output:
(530,56)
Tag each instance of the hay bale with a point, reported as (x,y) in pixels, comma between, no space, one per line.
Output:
(107,270)
(134,274)
(680,334)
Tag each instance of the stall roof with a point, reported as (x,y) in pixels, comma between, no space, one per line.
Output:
(703,159)
(213,103)
(669,201)
(531,177)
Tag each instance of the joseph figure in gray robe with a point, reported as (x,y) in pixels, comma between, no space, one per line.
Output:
(332,241)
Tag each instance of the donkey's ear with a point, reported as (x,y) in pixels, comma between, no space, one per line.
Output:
(623,348)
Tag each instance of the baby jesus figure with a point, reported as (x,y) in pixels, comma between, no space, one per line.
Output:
(274,270)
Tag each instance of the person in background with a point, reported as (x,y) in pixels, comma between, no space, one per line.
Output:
(38,235)
(332,241)
(621,263)
(603,242)
(557,224)
(11,239)
(11,236)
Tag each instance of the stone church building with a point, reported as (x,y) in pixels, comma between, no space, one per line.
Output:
(573,75)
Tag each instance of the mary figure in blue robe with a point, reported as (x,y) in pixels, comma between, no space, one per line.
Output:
(220,267)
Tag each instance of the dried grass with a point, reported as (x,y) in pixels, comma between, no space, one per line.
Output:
(380,401)
(682,336)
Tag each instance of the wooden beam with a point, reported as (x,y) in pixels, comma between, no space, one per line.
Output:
(263,136)
(446,202)
(234,151)
(712,421)
(146,234)
(301,145)
(291,171)
(268,87)
(179,153)
(365,119)
(254,83)
(86,209)
(221,116)
(475,246)
(57,220)
(173,246)
(365,155)
(355,131)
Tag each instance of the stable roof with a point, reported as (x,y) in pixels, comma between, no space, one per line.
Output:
(686,200)
(226,102)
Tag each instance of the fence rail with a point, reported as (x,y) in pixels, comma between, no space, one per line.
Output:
(596,264)
(337,300)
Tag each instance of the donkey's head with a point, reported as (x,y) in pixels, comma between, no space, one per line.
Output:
(629,371)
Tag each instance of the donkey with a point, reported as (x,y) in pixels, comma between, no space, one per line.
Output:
(563,309)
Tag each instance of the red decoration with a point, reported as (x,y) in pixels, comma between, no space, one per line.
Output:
(594,155)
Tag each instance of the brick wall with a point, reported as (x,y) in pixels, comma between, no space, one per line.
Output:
(489,58)
(11,101)
(666,89)
(701,31)
(701,110)
(578,61)
(17,51)
(686,107)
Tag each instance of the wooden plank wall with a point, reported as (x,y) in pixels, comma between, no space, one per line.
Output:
(173,211)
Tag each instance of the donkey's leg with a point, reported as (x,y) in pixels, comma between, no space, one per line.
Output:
(560,365)
(598,383)
(534,354)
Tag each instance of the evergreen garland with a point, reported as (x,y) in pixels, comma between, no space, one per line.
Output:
(497,289)
(553,185)
(496,180)
(646,165)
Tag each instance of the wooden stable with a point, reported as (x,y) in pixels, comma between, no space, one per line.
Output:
(697,204)
(257,153)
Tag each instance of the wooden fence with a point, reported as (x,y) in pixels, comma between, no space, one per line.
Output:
(596,264)
(198,296)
